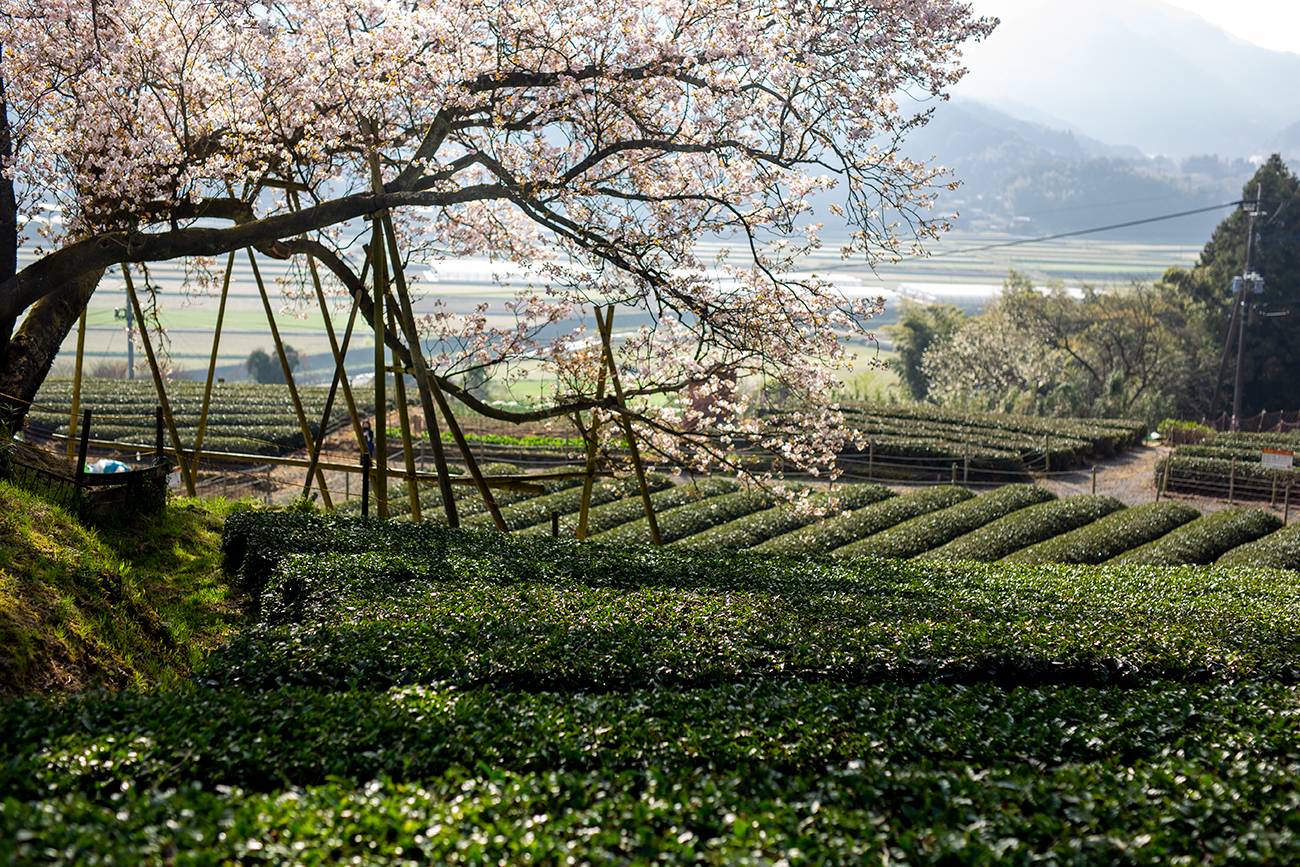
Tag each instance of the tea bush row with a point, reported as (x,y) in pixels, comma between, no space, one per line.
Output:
(753,530)
(537,510)
(1026,527)
(861,523)
(925,532)
(689,519)
(1172,810)
(1110,536)
(1280,549)
(619,512)
(1206,539)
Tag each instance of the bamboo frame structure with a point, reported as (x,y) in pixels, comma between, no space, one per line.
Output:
(340,355)
(307,438)
(187,473)
(606,334)
(429,388)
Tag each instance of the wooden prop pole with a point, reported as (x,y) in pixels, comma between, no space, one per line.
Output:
(408,451)
(76,382)
(212,362)
(307,438)
(380,272)
(590,436)
(606,335)
(187,474)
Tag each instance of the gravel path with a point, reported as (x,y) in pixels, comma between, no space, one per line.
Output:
(1130,478)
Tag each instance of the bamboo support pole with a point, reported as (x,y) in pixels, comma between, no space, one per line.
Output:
(590,435)
(187,474)
(380,276)
(307,438)
(404,416)
(76,382)
(340,354)
(431,392)
(606,326)
(212,361)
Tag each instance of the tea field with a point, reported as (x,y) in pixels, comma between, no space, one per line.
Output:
(242,417)
(411,694)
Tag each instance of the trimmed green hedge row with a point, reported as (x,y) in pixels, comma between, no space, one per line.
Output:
(260,741)
(543,615)
(1026,527)
(1279,550)
(844,530)
(925,532)
(619,512)
(1110,536)
(689,519)
(1205,539)
(537,510)
(753,530)
(1235,809)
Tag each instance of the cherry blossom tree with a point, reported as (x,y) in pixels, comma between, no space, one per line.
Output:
(596,144)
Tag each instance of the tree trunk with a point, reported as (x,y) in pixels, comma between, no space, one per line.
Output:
(26,359)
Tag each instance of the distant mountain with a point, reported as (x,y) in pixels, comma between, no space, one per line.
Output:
(1136,71)
(1031,179)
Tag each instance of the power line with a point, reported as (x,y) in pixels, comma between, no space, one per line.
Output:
(1089,231)
(1055,237)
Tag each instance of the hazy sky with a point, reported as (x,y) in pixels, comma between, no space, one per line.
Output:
(1271,24)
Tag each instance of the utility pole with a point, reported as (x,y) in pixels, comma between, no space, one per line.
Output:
(1248,282)
(128,314)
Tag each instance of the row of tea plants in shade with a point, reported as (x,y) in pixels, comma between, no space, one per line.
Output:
(417,695)
(1229,465)
(919,441)
(242,417)
(1021,522)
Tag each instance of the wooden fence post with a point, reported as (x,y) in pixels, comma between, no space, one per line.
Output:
(1232,480)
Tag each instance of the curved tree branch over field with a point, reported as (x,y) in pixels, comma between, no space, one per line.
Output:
(594,144)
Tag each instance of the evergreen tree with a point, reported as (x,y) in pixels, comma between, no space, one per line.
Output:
(1272,357)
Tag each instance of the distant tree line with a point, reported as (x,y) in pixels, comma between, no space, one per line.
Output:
(1145,350)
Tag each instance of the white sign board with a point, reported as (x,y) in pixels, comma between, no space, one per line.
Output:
(1277,459)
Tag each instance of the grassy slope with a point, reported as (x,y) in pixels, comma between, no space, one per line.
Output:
(134,604)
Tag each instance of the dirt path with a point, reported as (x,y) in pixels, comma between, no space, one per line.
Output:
(1130,478)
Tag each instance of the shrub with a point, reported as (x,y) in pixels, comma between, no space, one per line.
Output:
(1026,527)
(1206,539)
(826,536)
(929,531)
(752,530)
(1109,536)
(1279,550)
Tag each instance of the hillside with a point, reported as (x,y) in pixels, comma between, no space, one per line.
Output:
(135,604)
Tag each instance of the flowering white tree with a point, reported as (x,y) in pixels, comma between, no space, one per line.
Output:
(596,143)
